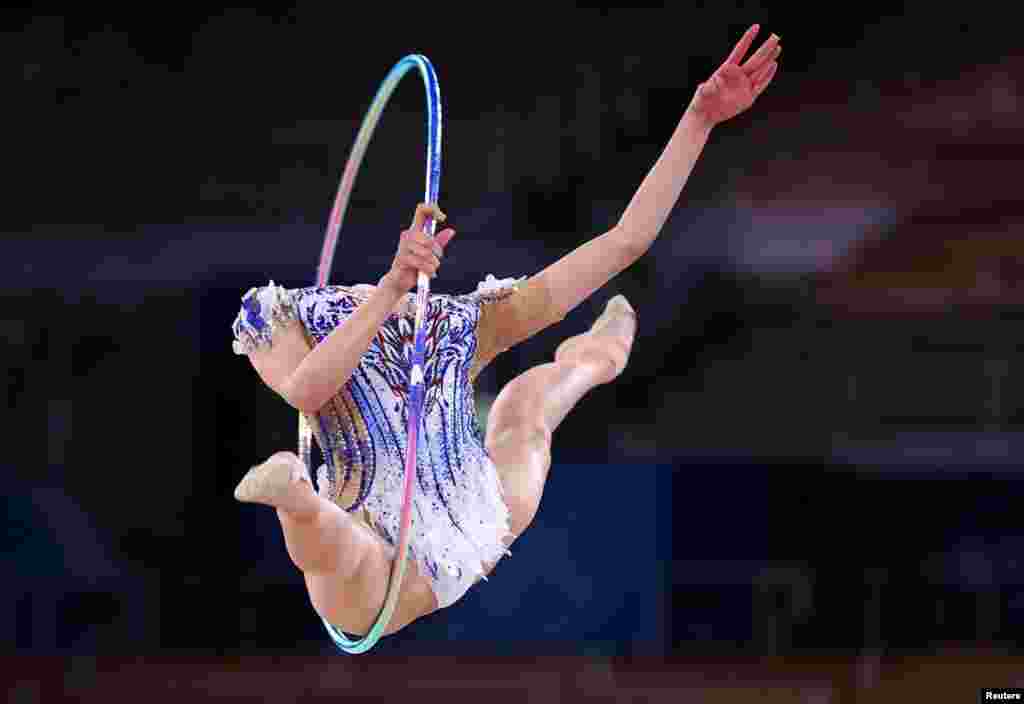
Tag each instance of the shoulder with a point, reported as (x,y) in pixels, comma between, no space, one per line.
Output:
(263,310)
(493,289)
(489,290)
(266,309)
(468,307)
(268,331)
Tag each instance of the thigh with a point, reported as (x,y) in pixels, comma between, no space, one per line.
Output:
(522,470)
(353,603)
(519,442)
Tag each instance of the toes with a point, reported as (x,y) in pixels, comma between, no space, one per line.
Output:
(620,302)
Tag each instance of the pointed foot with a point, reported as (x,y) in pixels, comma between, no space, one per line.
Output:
(272,482)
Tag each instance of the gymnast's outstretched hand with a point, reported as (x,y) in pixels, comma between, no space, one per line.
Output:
(735,86)
(418,251)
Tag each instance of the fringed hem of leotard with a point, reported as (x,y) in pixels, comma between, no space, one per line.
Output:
(452,555)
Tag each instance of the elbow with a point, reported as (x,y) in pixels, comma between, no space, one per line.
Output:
(633,251)
(302,397)
(631,245)
(309,407)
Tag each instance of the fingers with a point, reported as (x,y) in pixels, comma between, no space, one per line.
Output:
(764,77)
(424,211)
(444,238)
(419,251)
(421,245)
(761,74)
(436,244)
(427,263)
(769,51)
(743,45)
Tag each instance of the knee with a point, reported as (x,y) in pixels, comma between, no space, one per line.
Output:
(528,447)
(332,601)
(324,599)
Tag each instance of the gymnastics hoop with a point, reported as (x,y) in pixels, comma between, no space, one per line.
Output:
(416,391)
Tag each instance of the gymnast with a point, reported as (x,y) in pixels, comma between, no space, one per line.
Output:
(339,354)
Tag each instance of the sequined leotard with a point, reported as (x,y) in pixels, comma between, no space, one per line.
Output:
(460,519)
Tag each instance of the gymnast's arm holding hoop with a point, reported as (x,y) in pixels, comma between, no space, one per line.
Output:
(306,378)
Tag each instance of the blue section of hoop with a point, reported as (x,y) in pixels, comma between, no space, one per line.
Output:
(431,192)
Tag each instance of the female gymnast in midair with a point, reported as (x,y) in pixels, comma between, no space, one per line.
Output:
(341,355)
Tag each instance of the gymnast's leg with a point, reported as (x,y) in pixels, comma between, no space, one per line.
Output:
(532,405)
(346,566)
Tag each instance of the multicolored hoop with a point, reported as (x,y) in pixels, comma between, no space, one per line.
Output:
(416,379)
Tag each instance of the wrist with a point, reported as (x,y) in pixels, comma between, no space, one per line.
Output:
(388,286)
(694,122)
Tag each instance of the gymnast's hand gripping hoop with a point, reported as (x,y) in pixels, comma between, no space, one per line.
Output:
(416,387)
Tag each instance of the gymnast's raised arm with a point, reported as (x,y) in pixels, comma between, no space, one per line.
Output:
(307,379)
(730,90)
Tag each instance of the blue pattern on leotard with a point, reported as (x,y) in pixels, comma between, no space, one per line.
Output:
(459,517)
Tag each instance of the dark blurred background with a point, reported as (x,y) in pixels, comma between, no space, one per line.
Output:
(815,449)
